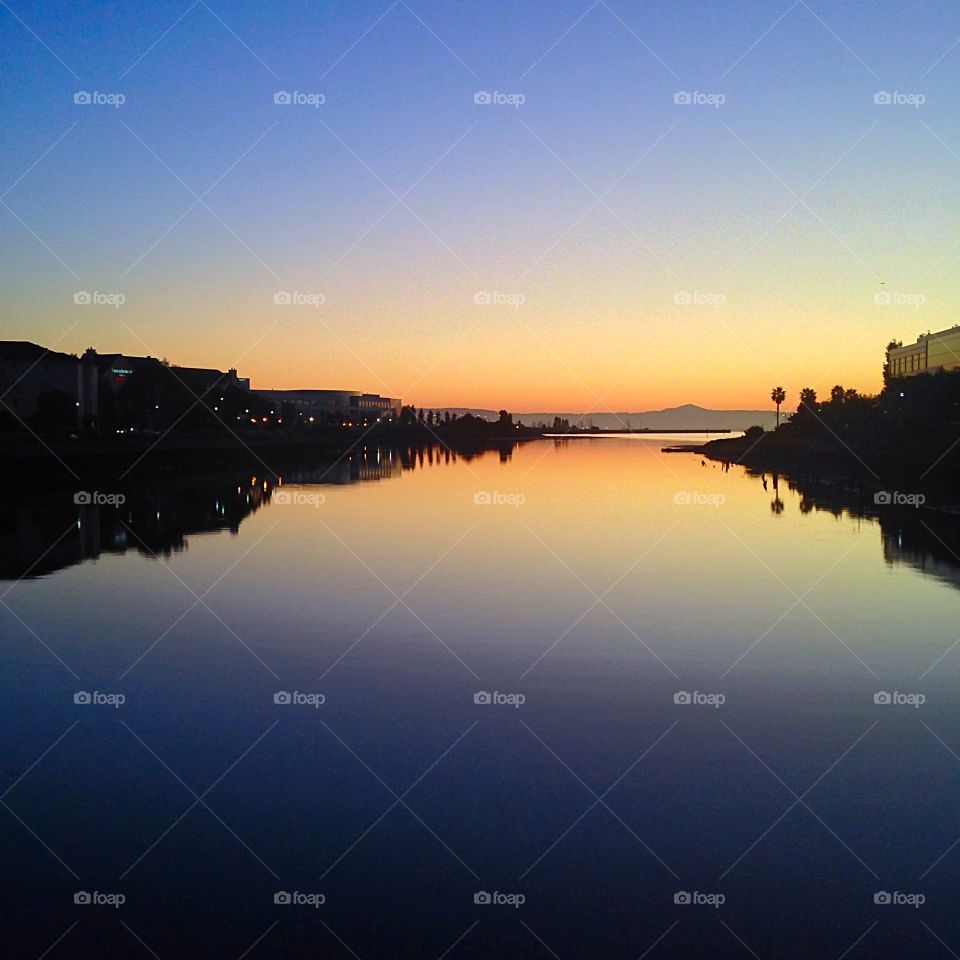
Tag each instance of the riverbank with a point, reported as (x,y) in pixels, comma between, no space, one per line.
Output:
(922,465)
(65,462)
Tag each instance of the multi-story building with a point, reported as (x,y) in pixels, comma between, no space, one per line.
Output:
(324,405)
(116,368)
(29,371)
(930,353)
(97,383)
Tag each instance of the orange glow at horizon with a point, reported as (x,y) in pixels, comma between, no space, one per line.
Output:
(592,367)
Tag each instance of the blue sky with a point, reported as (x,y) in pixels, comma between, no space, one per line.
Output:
(700,198)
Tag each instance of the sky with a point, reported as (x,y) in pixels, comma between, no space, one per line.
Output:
(577,239)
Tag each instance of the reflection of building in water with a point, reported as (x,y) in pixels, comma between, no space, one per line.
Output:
(924,540)
(367,465)
(45,536)
(929,544)
(39,538)
(421,455)
(380,463)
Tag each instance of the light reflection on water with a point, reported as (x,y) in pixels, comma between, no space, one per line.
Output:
(598,581)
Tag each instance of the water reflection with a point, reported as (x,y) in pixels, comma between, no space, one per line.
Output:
(923,540)
(41,536)
(38,538)
(408,594)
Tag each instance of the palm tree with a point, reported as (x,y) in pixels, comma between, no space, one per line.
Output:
(807,408)
(778,396)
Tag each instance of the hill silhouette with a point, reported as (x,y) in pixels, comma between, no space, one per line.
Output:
(689,416)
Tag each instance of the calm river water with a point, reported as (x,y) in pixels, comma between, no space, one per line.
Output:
(579,699)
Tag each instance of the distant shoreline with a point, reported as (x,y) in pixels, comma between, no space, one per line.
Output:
(70,463)
(599,431)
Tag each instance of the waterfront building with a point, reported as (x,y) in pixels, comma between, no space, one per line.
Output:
(323,406)
(930,353)
(29,372)
(31,375)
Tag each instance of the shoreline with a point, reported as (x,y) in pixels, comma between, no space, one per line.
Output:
(837,470)
(61,464)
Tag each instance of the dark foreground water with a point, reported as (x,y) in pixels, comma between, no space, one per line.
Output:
(478,749)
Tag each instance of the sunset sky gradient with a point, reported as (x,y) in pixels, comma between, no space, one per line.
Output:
(599,202)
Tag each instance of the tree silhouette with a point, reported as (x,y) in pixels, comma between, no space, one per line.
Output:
(892,345)
(778,395)
(807,408)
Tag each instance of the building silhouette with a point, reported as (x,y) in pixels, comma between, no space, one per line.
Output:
(324,406)
(103,391)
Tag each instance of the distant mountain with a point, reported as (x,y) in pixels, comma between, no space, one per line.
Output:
(687,417)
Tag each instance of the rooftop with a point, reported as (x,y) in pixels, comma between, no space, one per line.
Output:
(26,352)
